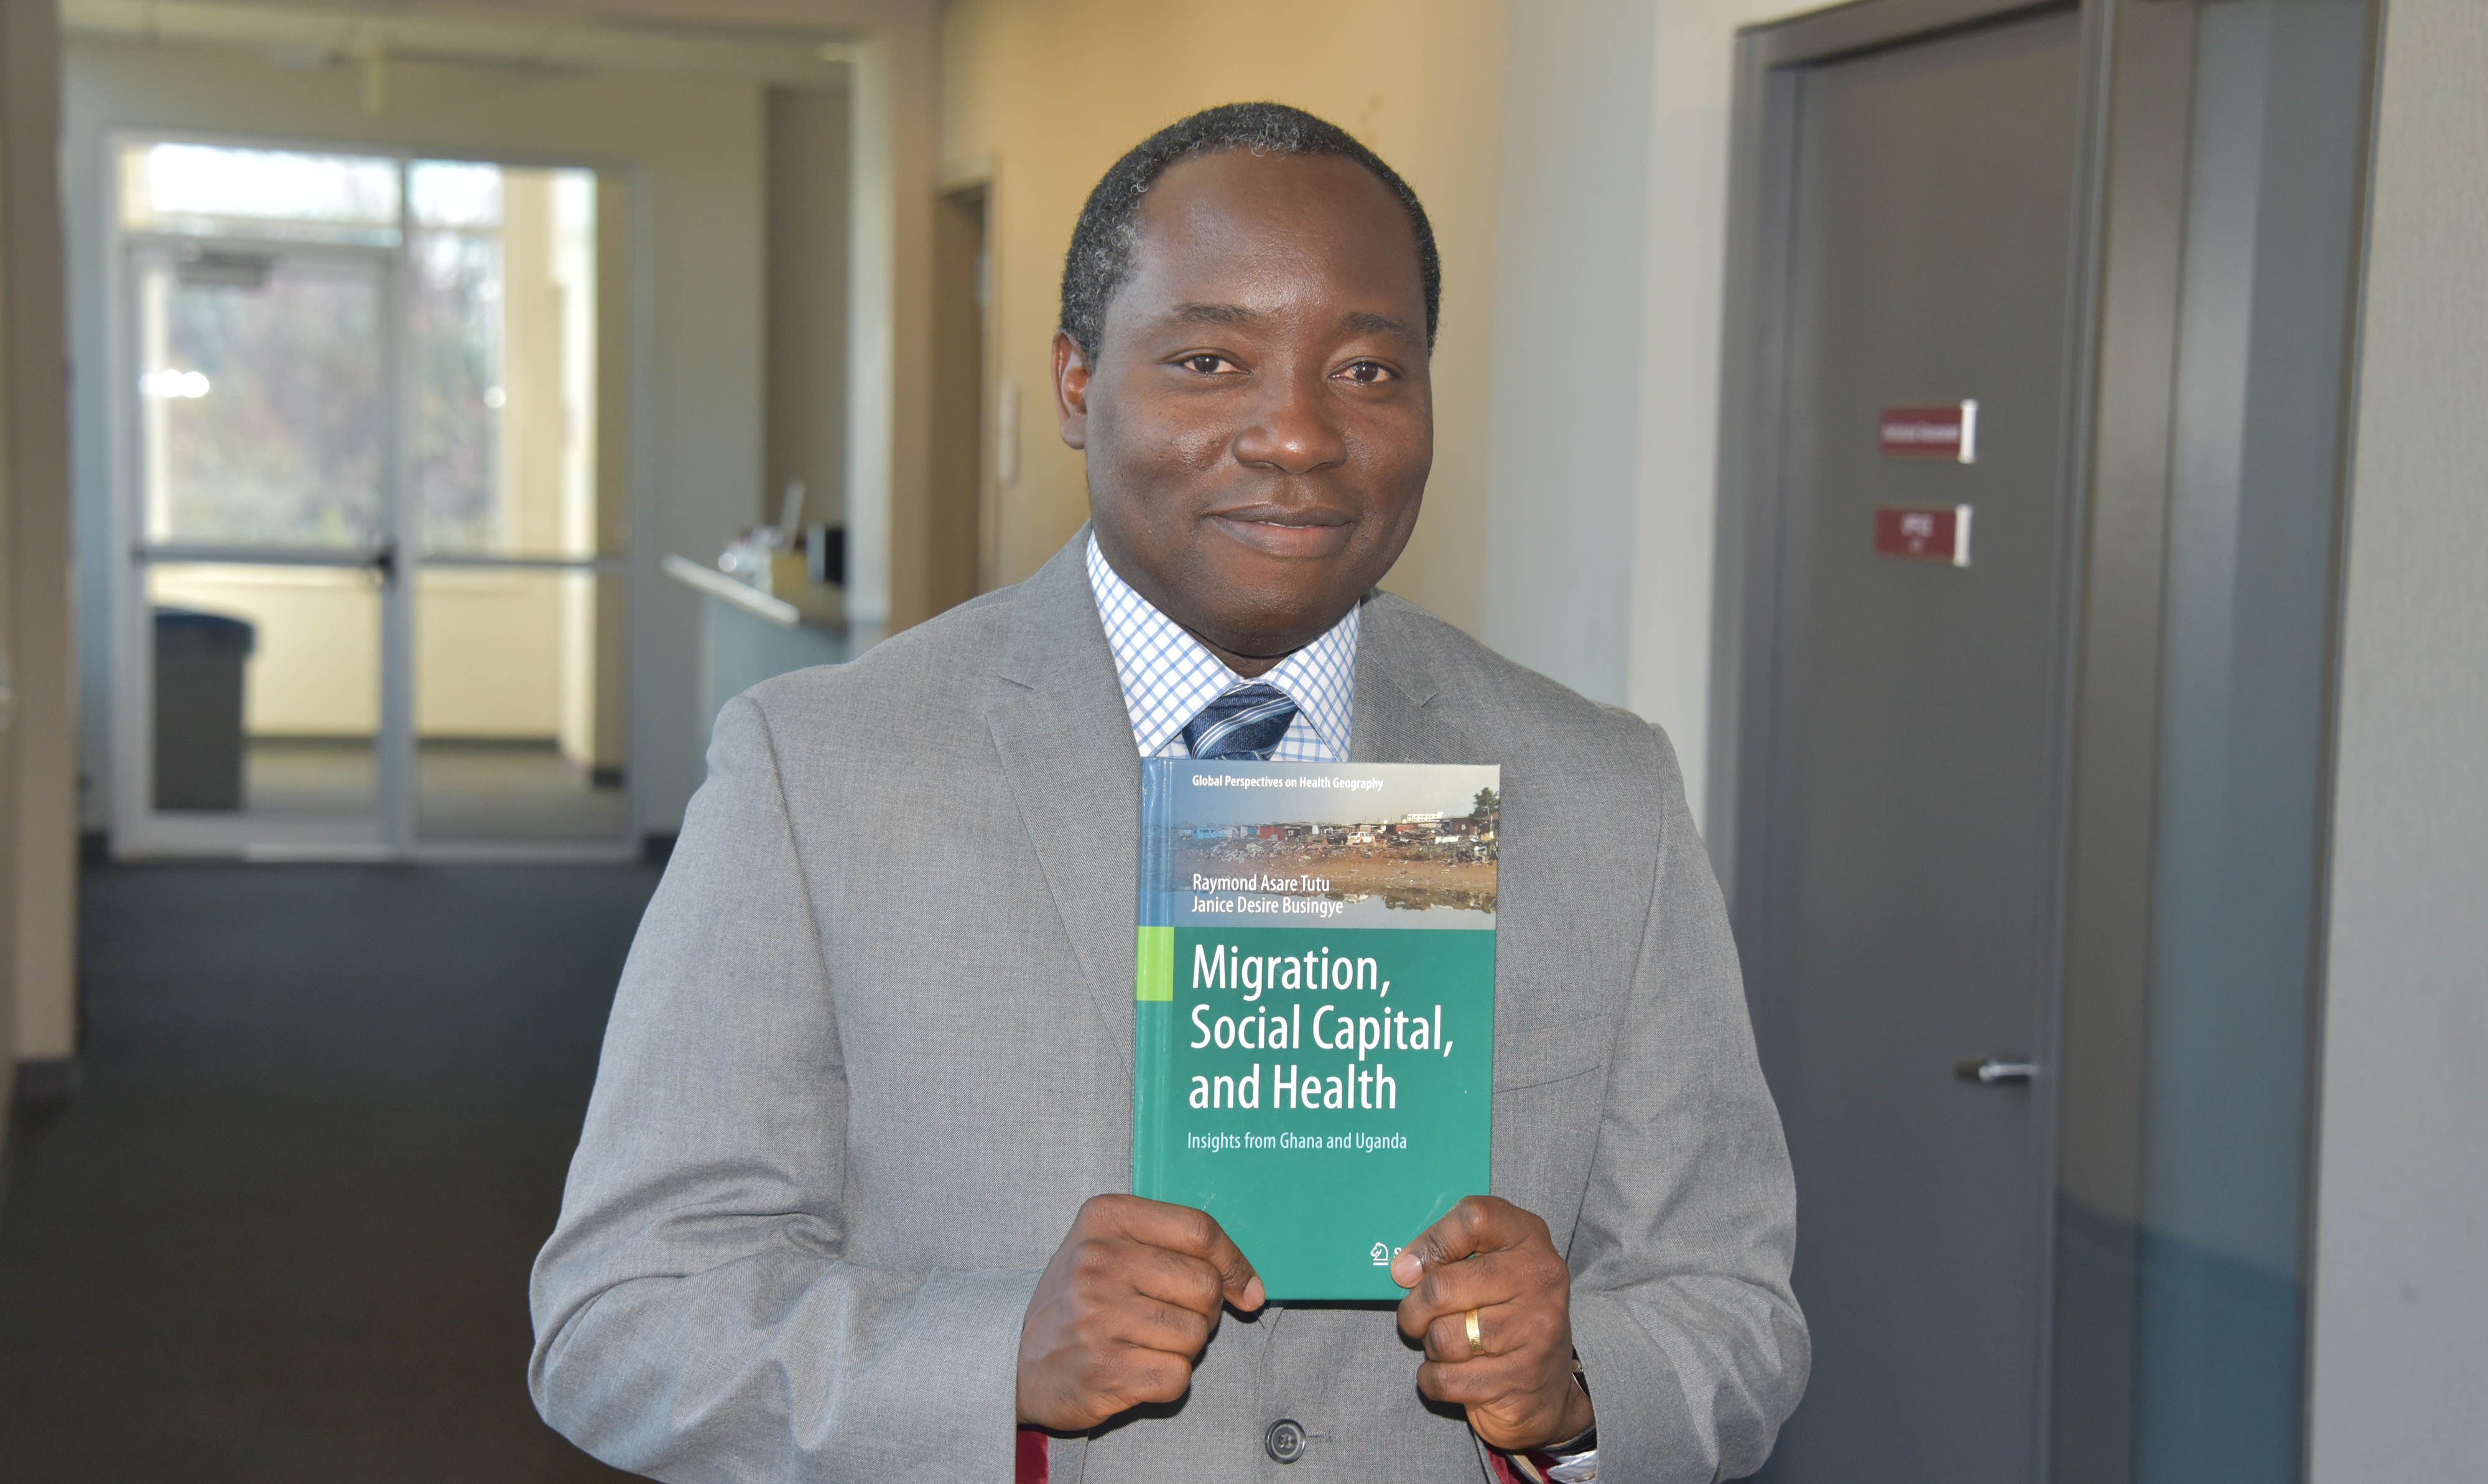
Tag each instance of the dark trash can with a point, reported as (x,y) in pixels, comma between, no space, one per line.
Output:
(199,659)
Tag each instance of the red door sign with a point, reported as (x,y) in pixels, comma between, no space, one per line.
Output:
(1928,533)
(1948,431)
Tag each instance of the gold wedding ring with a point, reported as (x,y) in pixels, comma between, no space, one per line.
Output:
(1476,1341)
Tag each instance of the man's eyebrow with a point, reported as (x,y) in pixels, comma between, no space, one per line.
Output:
(1366,323)
(1213,313)
(1357,322)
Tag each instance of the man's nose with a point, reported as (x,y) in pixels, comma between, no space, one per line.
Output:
(1293,430)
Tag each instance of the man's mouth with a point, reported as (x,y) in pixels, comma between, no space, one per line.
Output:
(1288,534)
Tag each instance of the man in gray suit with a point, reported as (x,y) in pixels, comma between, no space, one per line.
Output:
(847,1203)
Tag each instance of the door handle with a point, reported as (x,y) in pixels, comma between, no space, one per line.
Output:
(1992,1070)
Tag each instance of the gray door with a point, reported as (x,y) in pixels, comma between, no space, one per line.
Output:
(1903,868)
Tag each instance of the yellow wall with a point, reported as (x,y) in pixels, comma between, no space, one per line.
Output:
(492,649)
(313,668)
(1049,93)
(488,654)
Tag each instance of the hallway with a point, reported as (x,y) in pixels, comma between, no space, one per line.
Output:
(283,1231)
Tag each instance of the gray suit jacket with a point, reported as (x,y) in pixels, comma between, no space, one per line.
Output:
(873,1049)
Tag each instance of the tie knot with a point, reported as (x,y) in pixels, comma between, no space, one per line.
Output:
(1242,726)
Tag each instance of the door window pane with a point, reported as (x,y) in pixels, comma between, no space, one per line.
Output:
(456,193)
(458,390)
(212,190)
(506,340)
(261,397)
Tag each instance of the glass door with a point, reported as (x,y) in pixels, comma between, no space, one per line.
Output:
(254,703)
(375,603)
(521,615)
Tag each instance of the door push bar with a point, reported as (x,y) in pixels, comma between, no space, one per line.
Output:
(1992,1070)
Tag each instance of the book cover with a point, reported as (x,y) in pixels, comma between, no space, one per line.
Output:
(1314,1057)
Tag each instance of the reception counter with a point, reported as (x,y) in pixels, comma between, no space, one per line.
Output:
(747,635)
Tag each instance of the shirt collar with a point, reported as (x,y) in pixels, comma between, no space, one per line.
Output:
(1168,675)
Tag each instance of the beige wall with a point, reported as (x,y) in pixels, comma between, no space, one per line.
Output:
(491,654)
(2400,1304)
(314,669)
(1049,94)
(1677,491)
(1612,221)
(493,649)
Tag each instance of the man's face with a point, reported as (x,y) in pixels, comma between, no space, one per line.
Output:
(1260,421)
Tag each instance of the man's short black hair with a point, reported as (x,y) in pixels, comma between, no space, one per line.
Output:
(1102,245)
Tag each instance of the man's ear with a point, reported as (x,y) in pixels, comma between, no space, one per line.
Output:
(1071,390)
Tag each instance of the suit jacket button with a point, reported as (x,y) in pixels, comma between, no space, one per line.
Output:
(1284,1441)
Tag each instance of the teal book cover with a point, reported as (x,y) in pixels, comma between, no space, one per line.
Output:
(1314,1025)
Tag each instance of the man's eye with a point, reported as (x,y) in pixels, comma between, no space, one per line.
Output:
(1204,363)
(1366,373)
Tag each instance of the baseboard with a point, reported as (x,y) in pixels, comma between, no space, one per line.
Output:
(48,1082)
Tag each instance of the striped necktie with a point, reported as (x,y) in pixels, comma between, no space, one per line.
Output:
(1242,726)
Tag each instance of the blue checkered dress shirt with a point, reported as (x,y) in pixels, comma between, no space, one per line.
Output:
(1167,677)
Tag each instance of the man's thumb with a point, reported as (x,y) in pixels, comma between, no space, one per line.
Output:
(1237,1278)
(1243,1285)
(1409,1269)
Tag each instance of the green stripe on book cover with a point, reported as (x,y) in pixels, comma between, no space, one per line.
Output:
(1156,979)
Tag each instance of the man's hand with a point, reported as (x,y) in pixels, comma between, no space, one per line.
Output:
(1492,1256)
(1128,1301)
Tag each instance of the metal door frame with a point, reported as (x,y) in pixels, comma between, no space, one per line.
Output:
(2112,492)
(137,829)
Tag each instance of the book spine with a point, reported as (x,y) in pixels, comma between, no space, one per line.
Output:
(1153,984)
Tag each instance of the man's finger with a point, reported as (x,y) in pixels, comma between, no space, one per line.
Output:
(1480,1383)
(1172,1278)
(1147,1376)
(1478,1282)
(1473,1282)
(1447,1336)
(1195,1233)
(1169,1328)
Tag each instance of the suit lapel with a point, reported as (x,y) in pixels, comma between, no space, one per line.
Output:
(1397,721)
(1065,740)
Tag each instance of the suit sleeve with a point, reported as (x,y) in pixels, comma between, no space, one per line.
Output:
(1681,1313)
(696,1318)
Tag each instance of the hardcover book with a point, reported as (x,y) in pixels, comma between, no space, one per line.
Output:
(1314,1057)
